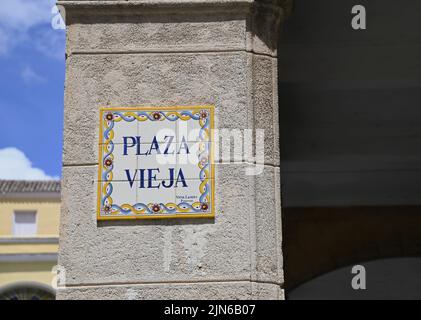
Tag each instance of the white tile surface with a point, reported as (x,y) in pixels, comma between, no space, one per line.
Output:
(160,129)
(122,162)
(192,193)
(156,195)
(189,163)
(123,193)
(124,129)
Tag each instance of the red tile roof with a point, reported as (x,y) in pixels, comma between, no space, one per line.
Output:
(23,186)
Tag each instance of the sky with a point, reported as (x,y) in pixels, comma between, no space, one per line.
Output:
(32,66)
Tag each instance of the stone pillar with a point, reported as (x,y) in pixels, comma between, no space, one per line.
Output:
(167,53)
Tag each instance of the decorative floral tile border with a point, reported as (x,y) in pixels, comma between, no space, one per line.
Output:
(107,209)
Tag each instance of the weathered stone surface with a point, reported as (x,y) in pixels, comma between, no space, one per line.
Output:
(188,291)
(163,250)
(221,79)
(95,81)
(173,250)
(146,33)
(192,58)
(175,25)
(267,227)
(264,99)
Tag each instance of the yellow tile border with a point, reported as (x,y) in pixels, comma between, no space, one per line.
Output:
(211,109)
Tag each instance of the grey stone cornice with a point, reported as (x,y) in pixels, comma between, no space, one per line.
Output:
(28,240)
(133,7)
(262,17)
(30,257)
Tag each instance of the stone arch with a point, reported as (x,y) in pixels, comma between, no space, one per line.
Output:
(390,278)
(320,240)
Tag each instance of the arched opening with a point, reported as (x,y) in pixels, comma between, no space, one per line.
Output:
(319,240)
(27,291)
(350,135)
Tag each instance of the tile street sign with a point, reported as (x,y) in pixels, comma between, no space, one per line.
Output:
(156,162)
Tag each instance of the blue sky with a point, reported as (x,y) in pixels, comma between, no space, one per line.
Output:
(32,67)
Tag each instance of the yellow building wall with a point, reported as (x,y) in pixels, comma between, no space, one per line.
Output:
(22,272)
(16,248)
(48,216)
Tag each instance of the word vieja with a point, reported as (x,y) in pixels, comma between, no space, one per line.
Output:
(154,178)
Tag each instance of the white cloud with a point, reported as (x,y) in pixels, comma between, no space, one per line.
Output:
(19,17)
(14,165)
(24,14)
(30,77)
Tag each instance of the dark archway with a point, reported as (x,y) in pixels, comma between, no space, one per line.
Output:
(350,128)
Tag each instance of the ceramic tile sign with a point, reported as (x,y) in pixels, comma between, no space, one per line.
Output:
(156,162)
